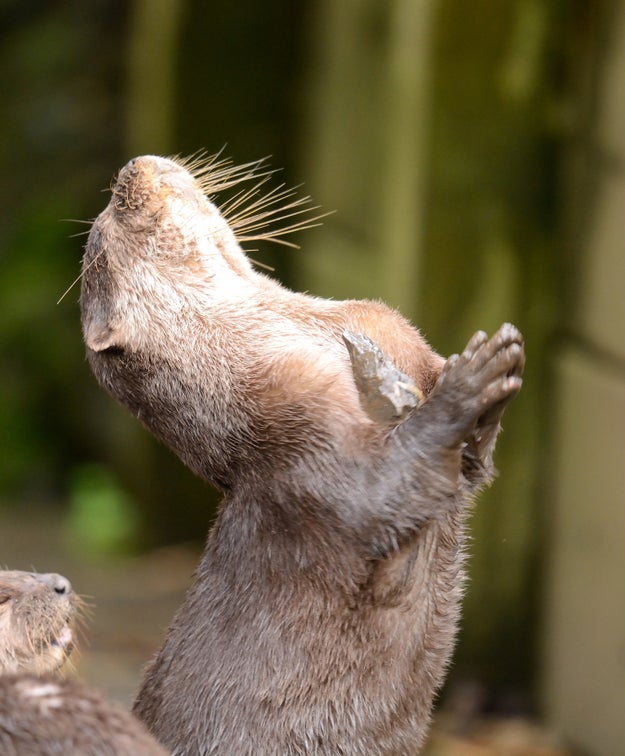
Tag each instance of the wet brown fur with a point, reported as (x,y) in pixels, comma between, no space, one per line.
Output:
(44,716)
(324,610)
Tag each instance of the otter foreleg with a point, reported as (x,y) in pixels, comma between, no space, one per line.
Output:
(442,452)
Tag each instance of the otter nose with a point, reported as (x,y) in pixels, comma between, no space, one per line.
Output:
(57,583)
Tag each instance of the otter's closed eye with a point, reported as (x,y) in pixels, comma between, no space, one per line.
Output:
(113,350)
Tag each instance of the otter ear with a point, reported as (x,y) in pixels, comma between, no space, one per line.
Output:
(101,336)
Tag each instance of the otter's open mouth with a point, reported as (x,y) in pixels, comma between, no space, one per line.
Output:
(64,640)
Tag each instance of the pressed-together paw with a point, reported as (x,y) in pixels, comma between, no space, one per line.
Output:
(475,386)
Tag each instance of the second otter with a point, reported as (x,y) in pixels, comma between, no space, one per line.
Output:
(37,613)
(324,610)
(41,715)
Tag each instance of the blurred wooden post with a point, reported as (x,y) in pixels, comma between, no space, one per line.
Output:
(151,75)
(423,130)
(404,125)
(364,136)
(584,683)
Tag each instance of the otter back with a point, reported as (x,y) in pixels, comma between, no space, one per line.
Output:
(43,716)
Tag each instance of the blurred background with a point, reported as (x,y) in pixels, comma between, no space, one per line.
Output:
(473,153)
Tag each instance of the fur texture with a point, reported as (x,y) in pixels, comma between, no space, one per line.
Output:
(43,716)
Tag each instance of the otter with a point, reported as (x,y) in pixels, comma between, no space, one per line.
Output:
(323,612)
(37,616)
(41,715)
(44,716)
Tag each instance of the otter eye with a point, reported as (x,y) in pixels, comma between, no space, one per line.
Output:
(4,597)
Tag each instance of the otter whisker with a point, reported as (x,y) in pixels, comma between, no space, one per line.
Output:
(80,275)
(78,220)
(276,236)
(270,268)
(198,159)
(214,184)
(252,216)
(215,175)
(240,198)
(262,211)
(245,225)
(268,210)
(69,288)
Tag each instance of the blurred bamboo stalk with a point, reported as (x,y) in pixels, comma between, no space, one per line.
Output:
(365,131)
(405,124)
(151,75)
(421,106)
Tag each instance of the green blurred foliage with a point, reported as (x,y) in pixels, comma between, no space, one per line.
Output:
(70,120)
(54,137)
(102,519)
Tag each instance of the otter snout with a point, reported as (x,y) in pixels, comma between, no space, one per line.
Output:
(56,583)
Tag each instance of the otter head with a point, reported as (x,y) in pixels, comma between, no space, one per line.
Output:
(37,612)
(155,248)
(172,310)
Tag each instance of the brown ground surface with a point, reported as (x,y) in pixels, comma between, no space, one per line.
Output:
(133,599)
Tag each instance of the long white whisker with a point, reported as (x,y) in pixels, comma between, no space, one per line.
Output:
(251,214)
(77,279)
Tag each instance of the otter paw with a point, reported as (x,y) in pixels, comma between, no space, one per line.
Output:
(386,394)
(474,387)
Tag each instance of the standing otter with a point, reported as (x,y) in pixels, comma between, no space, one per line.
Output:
(37,614)
(324,609)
